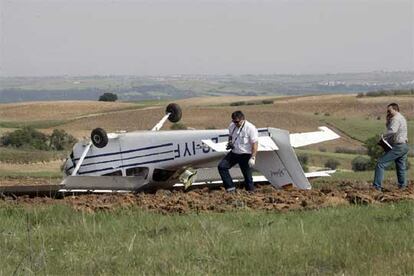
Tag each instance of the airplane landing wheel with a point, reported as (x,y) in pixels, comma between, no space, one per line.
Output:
(99,137)
(175,111)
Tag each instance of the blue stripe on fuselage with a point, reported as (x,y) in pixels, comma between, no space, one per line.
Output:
(129,165)
(129,158)
(127,151)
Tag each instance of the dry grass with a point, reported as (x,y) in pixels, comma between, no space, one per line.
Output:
(296,114)
(338,105)
(59,110)
(32,167)
(346,105)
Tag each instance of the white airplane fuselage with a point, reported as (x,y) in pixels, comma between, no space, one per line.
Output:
(159,159)
(169,150)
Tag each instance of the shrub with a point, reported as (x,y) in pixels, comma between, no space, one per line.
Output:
(267,102)
(373,150)
(25,137)
(360,163)
(332,163)
(30,138)
(327,114)
(60,140)
(108,97)
(303,160)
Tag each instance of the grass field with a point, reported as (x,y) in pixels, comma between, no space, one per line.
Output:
(52,238)
(35,124)
(58,110)
(361,129)
(27,156)
(358,240)
(43,175)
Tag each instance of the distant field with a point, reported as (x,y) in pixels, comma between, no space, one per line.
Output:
(51,236)
(355,119)
(293,113)
(57,111)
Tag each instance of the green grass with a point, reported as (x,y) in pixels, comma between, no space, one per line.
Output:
(318,158)
(350,176)
(349,240)
(27,156)
(38,174)
(360,128)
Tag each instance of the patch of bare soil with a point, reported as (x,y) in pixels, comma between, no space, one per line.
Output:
(217,200)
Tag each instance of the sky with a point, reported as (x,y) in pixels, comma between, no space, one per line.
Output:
(154,37)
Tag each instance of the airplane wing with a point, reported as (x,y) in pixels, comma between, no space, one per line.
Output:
(262,178)
(265,144)
(210,176)
(308,138)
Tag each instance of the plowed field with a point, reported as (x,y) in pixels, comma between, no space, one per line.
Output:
(265,198)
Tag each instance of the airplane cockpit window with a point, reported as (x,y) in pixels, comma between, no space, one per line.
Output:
(115,173)
(137,171)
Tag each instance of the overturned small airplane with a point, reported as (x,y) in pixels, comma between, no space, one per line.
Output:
(153,159)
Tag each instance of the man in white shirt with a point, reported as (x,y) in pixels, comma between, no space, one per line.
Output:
(397,136)
(243,143)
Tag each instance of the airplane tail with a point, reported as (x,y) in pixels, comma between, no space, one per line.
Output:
(281,167)
(277,160)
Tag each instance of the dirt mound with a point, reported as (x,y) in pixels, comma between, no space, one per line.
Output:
(217,200)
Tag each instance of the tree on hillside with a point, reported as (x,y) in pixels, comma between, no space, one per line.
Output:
(108,97)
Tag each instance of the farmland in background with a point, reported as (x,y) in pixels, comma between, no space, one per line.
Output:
(171,87)
(354,118)
(328,230)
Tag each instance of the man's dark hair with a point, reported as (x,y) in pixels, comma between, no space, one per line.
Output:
(237,115)
(394,106)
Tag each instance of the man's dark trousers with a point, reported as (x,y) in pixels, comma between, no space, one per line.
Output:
(228,162)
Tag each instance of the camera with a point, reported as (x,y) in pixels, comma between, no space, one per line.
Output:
(230,145)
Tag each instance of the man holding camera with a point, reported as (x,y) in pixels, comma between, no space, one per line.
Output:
(396,136)
(243,143)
